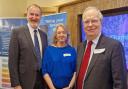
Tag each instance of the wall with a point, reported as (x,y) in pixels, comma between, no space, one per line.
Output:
(12,8)
(76,9)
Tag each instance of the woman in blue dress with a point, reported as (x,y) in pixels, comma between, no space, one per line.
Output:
(59,61)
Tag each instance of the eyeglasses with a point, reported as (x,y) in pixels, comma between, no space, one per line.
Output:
(93,21)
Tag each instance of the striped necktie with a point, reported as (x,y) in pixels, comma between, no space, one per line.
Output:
(37,49)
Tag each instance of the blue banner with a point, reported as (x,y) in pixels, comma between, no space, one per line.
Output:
(50,22)
(6,26)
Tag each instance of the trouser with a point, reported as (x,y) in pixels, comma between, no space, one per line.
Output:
(40,83)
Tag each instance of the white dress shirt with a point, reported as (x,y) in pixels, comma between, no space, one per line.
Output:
(31,30)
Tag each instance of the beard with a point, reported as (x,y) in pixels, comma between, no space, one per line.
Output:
(34,24)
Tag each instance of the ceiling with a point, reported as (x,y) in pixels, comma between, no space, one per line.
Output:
(50,3)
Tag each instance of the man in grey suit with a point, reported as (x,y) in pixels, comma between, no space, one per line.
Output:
(106,68)
(24,68)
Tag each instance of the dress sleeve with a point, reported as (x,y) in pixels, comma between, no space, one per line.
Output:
(45,62)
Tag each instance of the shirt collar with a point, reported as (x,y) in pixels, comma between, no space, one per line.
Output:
(95,41)
(29,26)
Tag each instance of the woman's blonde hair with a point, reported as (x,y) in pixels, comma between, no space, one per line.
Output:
(65,29)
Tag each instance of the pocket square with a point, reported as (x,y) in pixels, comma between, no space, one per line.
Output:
(96,51)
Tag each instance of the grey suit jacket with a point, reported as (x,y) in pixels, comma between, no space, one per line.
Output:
(22,57)
(107,70)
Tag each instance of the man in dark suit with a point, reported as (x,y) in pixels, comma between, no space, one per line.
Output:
(24,66)
(106,67)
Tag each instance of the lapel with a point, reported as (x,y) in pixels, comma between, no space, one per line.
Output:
(95,56)
(81,49)
(29,39)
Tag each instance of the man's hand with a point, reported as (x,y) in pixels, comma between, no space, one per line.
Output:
(18,87)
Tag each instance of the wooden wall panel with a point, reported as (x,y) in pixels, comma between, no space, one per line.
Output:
(73,10)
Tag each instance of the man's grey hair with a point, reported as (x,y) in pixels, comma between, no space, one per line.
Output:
(100,15)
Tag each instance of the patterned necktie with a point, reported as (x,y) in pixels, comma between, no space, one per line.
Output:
(83,66)
(37,49)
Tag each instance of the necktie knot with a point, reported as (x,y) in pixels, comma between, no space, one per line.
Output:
(35,31)
(90,43)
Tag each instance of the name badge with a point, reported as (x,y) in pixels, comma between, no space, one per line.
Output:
(66,54)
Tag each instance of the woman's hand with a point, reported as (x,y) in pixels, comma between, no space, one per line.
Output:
(67,87)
